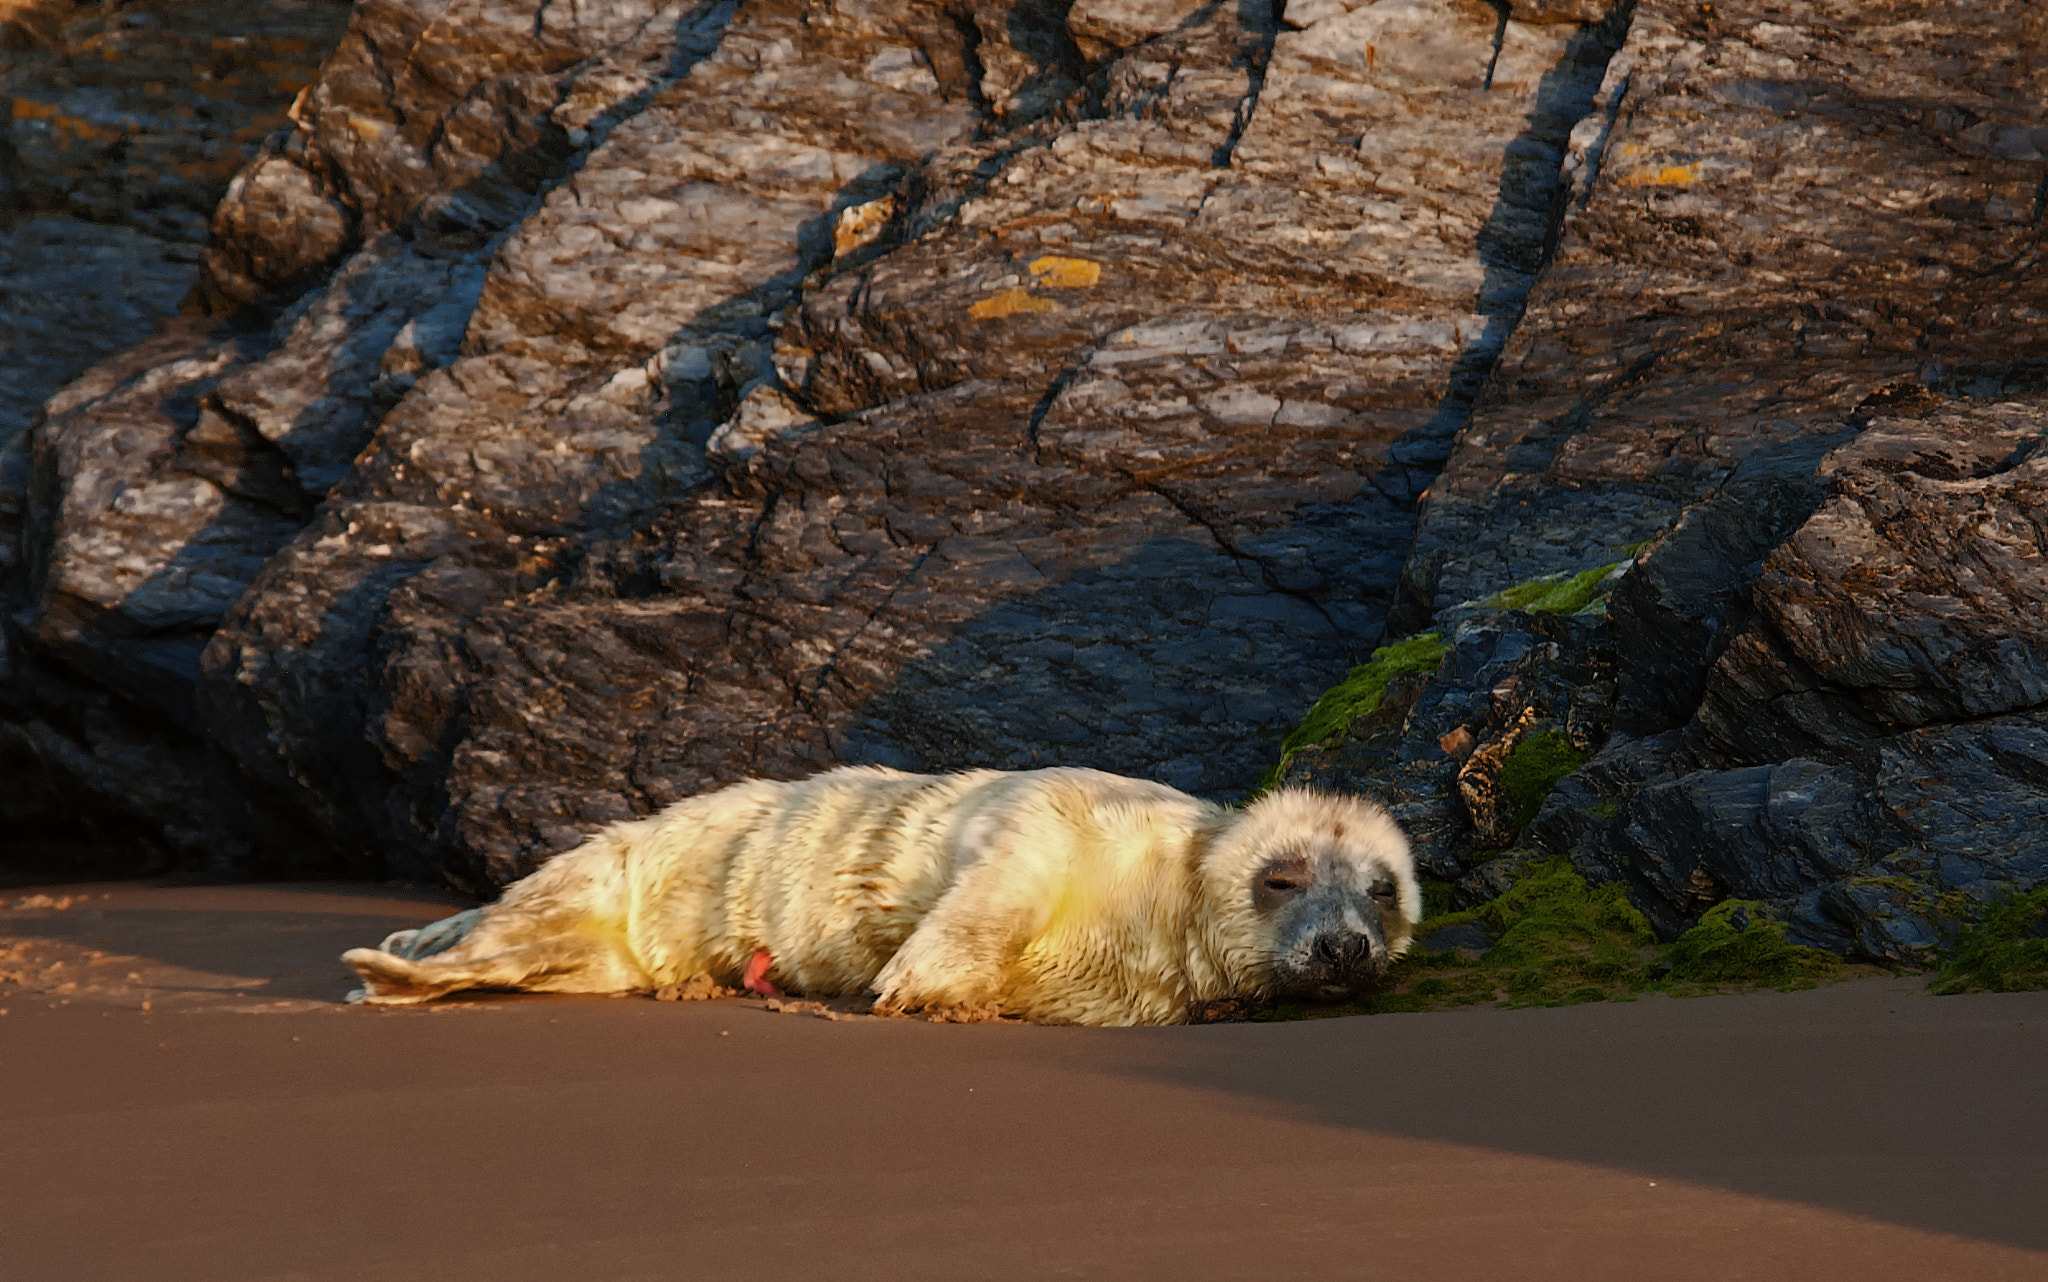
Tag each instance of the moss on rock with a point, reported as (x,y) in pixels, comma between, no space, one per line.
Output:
(1738,942)
(1436,897)
(1533,769)
(2007,953)
(1357,695)
(1556,594)
(1557,941)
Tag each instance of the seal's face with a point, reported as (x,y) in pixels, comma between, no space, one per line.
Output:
(1331,915)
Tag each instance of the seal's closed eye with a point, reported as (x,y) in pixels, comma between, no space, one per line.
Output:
(1280,881)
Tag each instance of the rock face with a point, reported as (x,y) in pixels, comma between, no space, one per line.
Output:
(1790,218)
(137,113)
(651,395)
(1874,736)
(834,382)
(125,123)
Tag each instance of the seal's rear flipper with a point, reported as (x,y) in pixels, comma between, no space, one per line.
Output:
(391,980)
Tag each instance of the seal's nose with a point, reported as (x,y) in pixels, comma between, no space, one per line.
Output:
(1342,952)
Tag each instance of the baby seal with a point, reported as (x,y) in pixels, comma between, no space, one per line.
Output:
(1059,895)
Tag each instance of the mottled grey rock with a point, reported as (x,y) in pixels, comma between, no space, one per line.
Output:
(1102,27)
(349,351)
(164,480)
(1917,594)
(613,329)
(1873,734)
(441,117)
(126,122)
(1470,936)
(136,113)
(1688,592)
(128,559)
(72,293)
(1882,854)
(130,543)
(1764,832)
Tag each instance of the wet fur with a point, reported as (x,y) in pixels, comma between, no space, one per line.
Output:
(1061,894)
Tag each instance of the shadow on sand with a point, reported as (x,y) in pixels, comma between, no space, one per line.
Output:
(1868,1097)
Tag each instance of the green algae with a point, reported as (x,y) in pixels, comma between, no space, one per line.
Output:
(1555,937)
(1357,695)
(1738,942)
(1436,897)
(1533,769)
(1555,594)
(1360,692)
(2006,953)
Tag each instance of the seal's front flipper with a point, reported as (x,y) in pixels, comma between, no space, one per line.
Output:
(756,978)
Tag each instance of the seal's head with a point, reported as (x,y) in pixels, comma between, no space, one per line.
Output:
(1328,888)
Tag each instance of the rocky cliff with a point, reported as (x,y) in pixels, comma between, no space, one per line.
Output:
(585,405)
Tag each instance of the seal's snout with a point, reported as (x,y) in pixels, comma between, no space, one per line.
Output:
(1344,953)
(1339,946)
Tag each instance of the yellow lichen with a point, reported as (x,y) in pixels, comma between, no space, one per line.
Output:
(1011,302)
(1066,273)
(1663,176)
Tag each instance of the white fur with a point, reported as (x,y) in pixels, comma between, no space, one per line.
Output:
(1059,894)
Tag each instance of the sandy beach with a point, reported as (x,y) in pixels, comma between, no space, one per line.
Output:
(250,1125)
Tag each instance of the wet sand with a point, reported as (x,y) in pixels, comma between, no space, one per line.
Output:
(249,1126)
